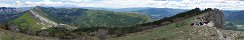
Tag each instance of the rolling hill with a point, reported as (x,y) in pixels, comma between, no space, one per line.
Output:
(154,13)
(159,13)
(92,18)
(185,31)
(9,35)
(87,24)
(5,17)
(47,19)
(235,16)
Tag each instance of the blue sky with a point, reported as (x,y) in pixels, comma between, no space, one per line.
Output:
(181,4)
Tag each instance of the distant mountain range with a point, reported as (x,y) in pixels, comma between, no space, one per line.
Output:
(233,18)
(72,23)
(159,13)
(154,13)
(39,18)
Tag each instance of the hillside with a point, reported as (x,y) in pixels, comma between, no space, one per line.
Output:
(5,17)
(92,18)
(8,13)
(10,35)
(184,31)
(86,24)
(236,18)
(71,22)
(78,17)
(159,13)
(154,13)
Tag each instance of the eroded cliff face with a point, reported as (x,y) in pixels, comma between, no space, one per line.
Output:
(216,16)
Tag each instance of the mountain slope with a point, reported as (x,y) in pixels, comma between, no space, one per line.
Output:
(67,23)
(6,17)
(185,32)
(9,35)
(52,24)
(154,13)
(8,13)
(28,22)
(159,13)
(99,24)
(92,18)
(236,17)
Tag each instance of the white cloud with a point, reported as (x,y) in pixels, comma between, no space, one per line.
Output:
(5,5)
(44,3)
(183,4)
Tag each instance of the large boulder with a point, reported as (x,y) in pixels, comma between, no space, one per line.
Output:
(217,16)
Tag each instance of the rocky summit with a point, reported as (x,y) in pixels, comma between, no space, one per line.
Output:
(217,16)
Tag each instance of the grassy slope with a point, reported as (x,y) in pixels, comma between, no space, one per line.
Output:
(92,18)
(160,33)
(8,35)
(114,19)
(184,32)
(27,21)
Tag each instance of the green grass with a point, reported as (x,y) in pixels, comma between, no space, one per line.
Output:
(75,17)
(167,32)
(155,33)
(28,22)
(92,18)
(8,35)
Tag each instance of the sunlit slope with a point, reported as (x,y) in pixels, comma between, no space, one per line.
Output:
(43,19)
(165,32)
(9,35)
(184,32)
(28,22)
(92,18)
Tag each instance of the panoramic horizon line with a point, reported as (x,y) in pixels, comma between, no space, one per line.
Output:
(179,4)
(120,8)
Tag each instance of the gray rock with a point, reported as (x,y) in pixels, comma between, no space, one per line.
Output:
(13,28)
(217,16)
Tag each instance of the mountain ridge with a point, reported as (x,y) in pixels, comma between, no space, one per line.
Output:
(93,24)
(39,21)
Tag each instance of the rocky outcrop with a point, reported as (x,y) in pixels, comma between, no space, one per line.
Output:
(48,22)
(51,23)
(216,16)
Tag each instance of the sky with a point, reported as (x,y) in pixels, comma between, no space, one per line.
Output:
(178,4)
